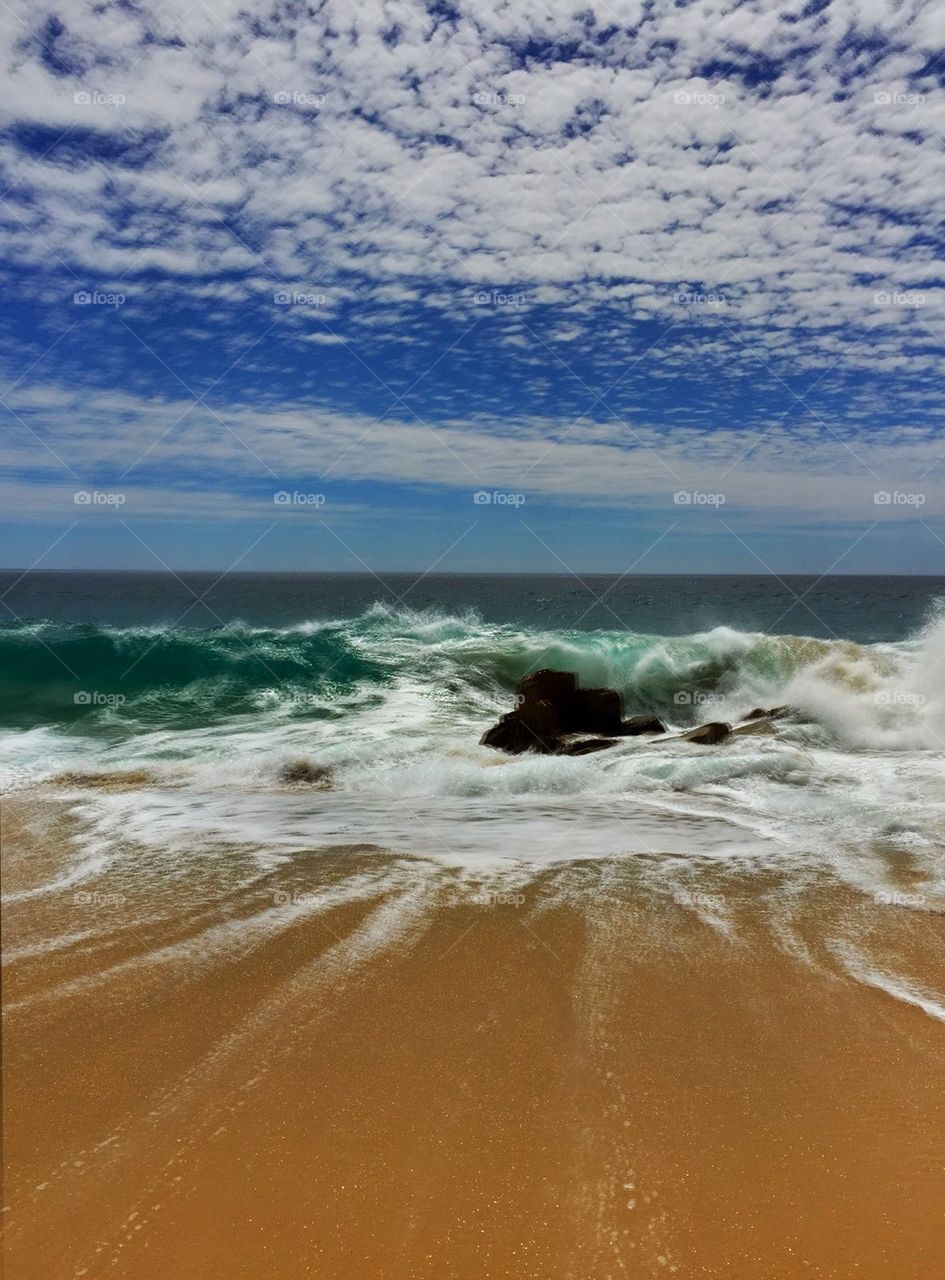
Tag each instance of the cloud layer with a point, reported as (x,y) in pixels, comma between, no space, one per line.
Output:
(626,248)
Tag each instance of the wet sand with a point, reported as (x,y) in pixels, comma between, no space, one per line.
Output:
(355,1064)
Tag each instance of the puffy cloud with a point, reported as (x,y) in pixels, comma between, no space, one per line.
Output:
(730,189)
(790,155)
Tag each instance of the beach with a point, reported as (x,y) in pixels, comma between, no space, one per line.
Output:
(363,1063)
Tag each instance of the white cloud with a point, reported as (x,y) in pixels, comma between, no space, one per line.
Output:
(594,169)
(175,458)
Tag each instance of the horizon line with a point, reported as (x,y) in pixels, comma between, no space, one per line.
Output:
(469,573)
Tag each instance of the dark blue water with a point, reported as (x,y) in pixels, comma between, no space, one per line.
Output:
(865,609)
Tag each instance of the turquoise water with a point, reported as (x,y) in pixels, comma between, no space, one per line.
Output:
(129,651)
(106,674)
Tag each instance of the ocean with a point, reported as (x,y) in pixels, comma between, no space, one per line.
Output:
(207,688)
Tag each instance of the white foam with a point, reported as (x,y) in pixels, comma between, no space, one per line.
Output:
(904,989)
(92,861)
(868,770)
(888,698)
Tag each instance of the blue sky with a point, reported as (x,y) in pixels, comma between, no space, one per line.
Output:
(541,287)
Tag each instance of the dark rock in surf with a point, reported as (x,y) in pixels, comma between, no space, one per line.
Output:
(550,709)
(585,746)
(641,724)
(593,711)
(303,772)
(708,734)
(534,726)
(772,713)
(538,721)
(755,727)
(556,687)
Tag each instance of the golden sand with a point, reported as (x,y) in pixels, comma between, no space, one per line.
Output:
(365,1066)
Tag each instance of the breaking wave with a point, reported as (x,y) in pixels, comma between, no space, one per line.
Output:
(88,677)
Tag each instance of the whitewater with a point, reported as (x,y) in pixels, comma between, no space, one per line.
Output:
(178,740)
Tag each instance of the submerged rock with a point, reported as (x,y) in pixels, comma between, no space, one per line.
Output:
(585,746)
(297,772)
(708,734)
(755,726)
(550,709)
(120,780)
(642,724)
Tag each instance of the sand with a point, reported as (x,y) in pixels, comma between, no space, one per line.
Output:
(355,1064)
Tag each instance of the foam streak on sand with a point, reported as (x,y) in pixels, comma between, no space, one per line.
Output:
(899,988)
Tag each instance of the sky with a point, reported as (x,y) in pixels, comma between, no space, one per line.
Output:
(534,286)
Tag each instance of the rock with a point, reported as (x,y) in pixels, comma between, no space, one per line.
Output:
(126,779)
(303,771)
(533,726)
(708,734)
(585,746)
(556,687)
(641,724)
(536,724)
(593,711)
(773,713)
(550,707)
(755,726)
(578,710)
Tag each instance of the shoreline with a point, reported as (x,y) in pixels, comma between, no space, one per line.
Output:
(364,1063)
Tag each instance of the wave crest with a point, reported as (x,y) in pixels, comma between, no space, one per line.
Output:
(866,696)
